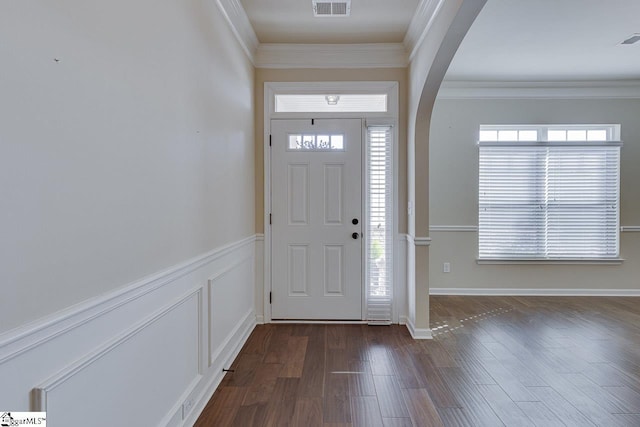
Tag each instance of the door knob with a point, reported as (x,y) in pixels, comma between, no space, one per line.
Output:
(354,236)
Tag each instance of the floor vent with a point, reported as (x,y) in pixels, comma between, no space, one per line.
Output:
(325,8)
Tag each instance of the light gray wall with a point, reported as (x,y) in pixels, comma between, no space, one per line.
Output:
(126,146)
(454,185)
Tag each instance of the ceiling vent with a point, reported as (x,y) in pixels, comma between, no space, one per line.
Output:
(632,39)
(327,8)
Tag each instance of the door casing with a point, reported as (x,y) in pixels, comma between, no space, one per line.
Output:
(391,88)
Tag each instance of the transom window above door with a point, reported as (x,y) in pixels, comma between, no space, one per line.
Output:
(331,102)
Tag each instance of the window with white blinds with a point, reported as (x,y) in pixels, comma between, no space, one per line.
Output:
(379,234)
(549,199)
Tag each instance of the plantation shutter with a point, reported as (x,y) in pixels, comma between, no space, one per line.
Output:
(549,201)
(379,234)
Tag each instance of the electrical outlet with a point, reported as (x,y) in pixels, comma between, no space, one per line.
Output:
(186,407)
(446,267)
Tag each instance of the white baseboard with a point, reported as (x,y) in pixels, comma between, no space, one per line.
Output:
(418,334)
(536,292)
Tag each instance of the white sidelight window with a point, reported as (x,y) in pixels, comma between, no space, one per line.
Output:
(379,233)
(549,192)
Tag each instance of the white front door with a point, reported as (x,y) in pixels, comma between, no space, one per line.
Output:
(316,208)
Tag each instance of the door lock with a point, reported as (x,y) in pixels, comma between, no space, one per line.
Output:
(355,235)
(354,221)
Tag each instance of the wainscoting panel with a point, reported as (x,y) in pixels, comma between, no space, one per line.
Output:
(230,304)
(149,353)
(148,367)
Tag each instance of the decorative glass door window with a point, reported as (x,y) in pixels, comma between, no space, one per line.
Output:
(321,142)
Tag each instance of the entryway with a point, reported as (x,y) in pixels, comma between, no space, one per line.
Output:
(330,209)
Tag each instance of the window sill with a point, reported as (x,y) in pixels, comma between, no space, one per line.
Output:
(537,261)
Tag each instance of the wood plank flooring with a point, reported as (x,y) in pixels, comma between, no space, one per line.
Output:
(494,361)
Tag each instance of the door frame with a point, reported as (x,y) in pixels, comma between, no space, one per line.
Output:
(390,117)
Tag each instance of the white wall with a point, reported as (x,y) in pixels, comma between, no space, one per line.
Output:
(454,198)
(127,236)
(132,153)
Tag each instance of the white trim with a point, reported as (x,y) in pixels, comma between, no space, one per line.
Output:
(605,89)
(364,55)
(453,228)
(536,292)
(41,392)
(17,341)
(249,316)
(231,348)
(421,23)
(418,334)
(319,322)
(403,320)
(239,22)
(273,88)
(558,261)
(474,228)
(422,241)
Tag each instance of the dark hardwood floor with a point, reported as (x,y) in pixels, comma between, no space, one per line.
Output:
(514,361)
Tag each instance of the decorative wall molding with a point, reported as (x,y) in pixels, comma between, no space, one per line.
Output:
(17,341)
(628,228)
(239,22)
(420,24)
(368,55)
(248,320)
(418,334)
(422,241)
(453,228)
(42,392)
(131,338)
(609,89)
(536,292)
(229,351)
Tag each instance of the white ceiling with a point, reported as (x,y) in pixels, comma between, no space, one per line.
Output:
(511,40)
(292,21)
(540,40)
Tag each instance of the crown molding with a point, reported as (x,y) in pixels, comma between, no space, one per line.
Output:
(420,24)
(597,89)
(365,55)
(239,22)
